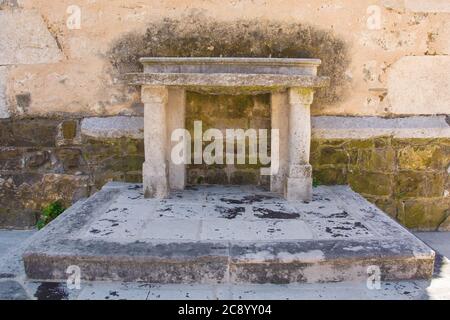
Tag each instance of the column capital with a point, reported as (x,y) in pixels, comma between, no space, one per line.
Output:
(298,95)
(154,94)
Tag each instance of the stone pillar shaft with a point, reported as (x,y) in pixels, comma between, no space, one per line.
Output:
(155,169)
(280,116)
(299,181)
(176,116)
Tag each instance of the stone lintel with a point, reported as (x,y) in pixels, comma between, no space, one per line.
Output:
(257,82)
(210,65)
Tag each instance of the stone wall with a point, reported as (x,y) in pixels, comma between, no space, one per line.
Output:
(43,160)
(407,178)
(393,62)
(227,112)
(403,170)
(59,62)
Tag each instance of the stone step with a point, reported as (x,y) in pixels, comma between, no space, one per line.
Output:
(191,238)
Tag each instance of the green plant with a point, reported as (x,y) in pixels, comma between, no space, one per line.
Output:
(316,182)
(49,213)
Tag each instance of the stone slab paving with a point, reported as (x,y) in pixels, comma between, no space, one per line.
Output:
(226,234)
(11,238)
(17,286)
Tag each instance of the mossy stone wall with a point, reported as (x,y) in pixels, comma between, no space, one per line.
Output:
(228,112)
(408,178)
(43,160)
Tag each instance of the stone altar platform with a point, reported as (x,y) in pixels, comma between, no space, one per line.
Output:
(226,234)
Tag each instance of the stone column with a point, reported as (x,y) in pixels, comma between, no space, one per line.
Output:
(299,180)
(280,117)
(176,120)
(155,169)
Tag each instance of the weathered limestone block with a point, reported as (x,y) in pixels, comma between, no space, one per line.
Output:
(420,85)
(113,127)
(280,112)
(28,132)
(354,129)
(299,178)
(25,39)
(440,39)
(176,118)
(431,6)
(155,169)
(4,112)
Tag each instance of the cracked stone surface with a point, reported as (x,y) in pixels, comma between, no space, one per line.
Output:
(226,234)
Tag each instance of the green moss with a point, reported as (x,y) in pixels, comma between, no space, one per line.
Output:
(425,214)
(382,142)
(416,184)
(69,129)
(376,160)
(244,177)
(361,144)
(330,175)
(424,157)
(369,183)
(329,155)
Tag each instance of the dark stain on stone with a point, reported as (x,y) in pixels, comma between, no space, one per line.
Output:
(230,213)
(342,214)
(248,199)
(360,225)
(272,214)
(140,195)
(320,198)
(113,293)
(51,291)
(342,228)
(135,187)
(23,101)
(199,36)
(110,220)
(232,201)
(6,275)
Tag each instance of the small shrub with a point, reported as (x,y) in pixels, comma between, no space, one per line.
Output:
(49,213)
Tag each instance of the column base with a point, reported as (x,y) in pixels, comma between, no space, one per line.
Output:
(299,184)
(156,182)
